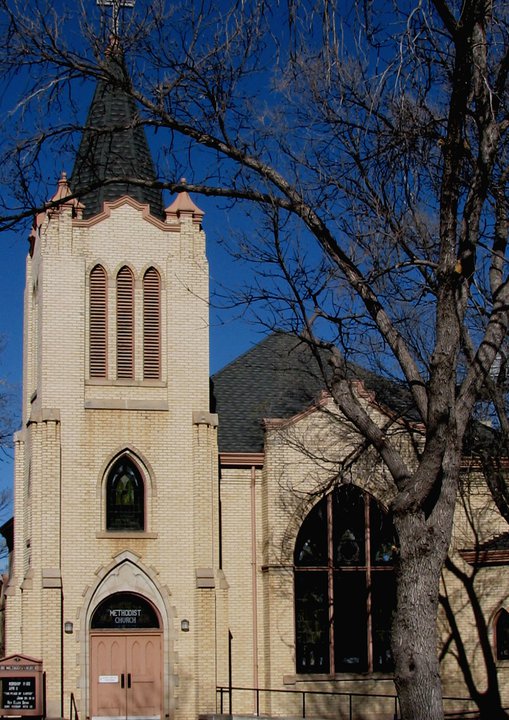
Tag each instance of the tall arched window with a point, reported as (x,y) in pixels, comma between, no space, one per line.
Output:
(125,497)
(98,326)
(344,585)
(502,635)
(151,325)
(125,323)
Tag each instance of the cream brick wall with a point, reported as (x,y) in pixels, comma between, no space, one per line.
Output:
(76,426)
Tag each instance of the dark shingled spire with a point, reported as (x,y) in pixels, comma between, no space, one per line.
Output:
(113,145)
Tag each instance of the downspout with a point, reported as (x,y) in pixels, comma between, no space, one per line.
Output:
(254,582)
(62,648)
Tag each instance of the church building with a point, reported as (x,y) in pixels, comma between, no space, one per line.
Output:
(176,534)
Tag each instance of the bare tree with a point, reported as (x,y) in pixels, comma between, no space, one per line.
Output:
(466,598)
(7,416)
(370,140)
(8,425)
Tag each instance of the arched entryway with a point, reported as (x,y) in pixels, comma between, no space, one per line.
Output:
(126,659)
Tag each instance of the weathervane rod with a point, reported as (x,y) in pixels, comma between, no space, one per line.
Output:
(116,6)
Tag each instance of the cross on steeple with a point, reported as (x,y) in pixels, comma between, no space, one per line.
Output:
(116,6)
(114,146)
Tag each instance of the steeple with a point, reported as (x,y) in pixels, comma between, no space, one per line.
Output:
(114,144)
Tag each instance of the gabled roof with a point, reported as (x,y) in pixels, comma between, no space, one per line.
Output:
(279,378)
(114,144)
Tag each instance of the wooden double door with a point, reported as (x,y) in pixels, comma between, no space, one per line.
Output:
(126,675)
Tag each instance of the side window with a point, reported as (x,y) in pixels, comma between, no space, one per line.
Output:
(502,635)
(98,326)
(344,585)
(125,324)
(151,325)
(125,497)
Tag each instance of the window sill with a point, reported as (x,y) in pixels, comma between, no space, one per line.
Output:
(108,382)
(160,405)
(121,535)
(324,677)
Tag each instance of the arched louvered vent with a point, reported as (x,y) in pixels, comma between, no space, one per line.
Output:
(98,323)
(151,325)
(125,323)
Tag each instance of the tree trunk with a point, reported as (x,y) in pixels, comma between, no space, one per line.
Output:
(424,541)
(492,710)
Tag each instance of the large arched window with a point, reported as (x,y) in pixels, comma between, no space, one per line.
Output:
(98,326)
(502,635)
(344,585)
(125,323)
(125,497)
(151,325)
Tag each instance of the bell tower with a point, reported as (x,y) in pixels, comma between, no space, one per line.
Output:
(116,462)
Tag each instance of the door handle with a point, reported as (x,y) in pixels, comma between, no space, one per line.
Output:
(128,680)
(122,681)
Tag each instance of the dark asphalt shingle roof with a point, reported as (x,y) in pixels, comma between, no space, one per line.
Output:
(114,144)
(279,378)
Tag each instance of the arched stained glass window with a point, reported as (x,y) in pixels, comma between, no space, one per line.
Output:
(344,585)
(125,506)
(502,635)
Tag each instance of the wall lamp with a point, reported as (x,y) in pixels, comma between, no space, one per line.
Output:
(68,628)
(184,625)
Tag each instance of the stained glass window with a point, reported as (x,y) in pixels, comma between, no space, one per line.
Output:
(344,585)
(125,497)
(502,635)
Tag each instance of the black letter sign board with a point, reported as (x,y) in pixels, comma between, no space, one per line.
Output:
(18,693)
(21,686)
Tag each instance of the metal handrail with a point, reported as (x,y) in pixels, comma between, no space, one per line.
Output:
(222,690)
(73,709)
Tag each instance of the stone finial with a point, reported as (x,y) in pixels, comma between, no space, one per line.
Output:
(63,191)
(183,205)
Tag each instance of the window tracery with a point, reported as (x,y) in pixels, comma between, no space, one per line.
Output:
(344,585)
(125,497)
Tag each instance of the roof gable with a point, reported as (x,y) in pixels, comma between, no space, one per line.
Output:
(278,379)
